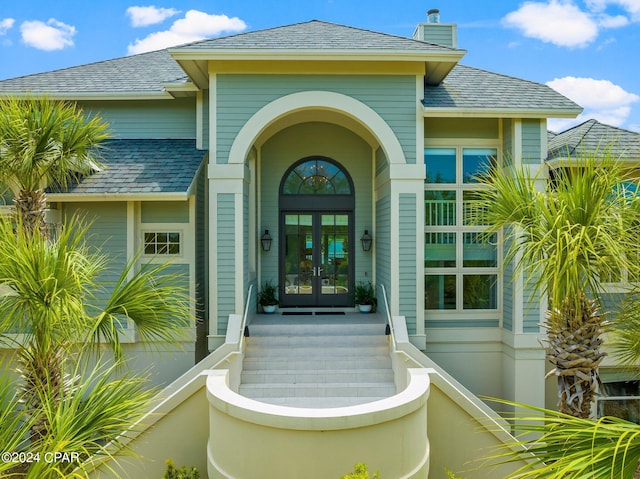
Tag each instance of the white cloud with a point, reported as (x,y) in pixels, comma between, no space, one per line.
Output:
(558,22)
(6,24)
(601,99)
(194,26)
(143,16)
(632,7)
(615,21)
(53,35)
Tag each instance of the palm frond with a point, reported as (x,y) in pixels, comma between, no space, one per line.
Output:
(559,445)
(625,331)
(14,424)
(91,419)
(48,282)
(43,141)
(156,301)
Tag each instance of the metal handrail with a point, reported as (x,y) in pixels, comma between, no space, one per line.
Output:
(388,311)
(243,324)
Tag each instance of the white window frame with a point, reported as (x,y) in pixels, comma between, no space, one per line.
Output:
(162,228)
(459,187)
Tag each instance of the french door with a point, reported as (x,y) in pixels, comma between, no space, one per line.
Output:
(316,258)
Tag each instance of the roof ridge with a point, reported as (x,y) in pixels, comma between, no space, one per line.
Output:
(240,34)
(308,22)
(593,122)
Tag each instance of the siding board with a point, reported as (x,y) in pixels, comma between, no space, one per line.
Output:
(407,259)
(225,241)
(148,119)
(531,147)
(240,96)
(383,243)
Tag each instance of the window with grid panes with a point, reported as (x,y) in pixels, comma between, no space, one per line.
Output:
(461,262)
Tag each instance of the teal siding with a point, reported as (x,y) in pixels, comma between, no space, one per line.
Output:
(245,234)
(611,302)
(383,243)
(407,259)
(531,147)
(507,141)
(531,320)
(6,195)
(507,297)
(107,233)
(164,212)
(438,33)
(240,96)
(205,119)
(182,271)
(225,254)
(147,118)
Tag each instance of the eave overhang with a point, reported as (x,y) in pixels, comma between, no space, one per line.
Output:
(566,161)
(431,112)
(195,61)
(71,95)
(171,91)
(97,197)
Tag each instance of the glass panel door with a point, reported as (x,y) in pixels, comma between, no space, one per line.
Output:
(315,262)
(298,254)
(335,254)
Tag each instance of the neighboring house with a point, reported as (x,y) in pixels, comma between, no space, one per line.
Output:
(314,130)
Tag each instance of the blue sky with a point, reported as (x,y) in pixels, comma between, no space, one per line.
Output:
(586,49)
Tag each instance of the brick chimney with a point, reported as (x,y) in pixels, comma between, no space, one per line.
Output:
(445,34)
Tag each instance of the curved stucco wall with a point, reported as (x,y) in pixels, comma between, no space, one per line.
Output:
(250,439)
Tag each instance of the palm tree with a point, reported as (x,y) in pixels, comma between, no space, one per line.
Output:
(44,142)
(52,296)
(563,237)
(559,445)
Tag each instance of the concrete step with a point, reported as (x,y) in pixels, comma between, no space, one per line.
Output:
(352,341)
(297,352)
(320,402)
(254,363)
(279,329)
(316,376)
(303,361)
(306,390)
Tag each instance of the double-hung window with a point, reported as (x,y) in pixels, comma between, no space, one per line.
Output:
(461,262)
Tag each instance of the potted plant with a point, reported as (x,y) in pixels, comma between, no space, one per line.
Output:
(267,297)
(365,296)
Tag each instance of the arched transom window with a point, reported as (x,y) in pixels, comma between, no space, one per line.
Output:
(316,176)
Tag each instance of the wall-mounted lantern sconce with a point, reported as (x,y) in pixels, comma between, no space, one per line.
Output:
(366,241)
(265,241)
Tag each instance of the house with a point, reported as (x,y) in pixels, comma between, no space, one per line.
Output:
(300,133)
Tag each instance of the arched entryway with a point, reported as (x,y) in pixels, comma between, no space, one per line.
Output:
(316,205)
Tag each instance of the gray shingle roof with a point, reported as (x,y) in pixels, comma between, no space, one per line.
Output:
(468,88)
(591,136)
(143,166)
(147,72)
(315,35)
